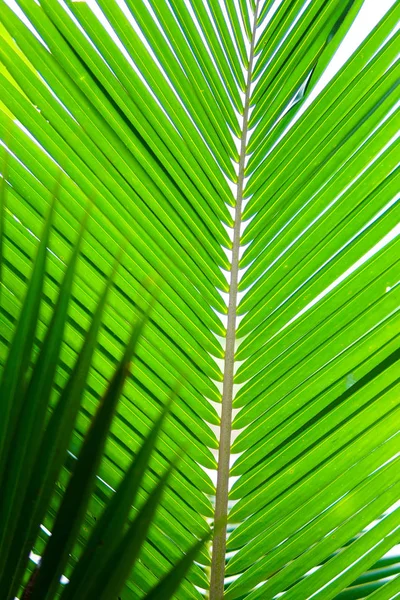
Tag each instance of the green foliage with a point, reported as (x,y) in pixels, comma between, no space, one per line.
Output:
(35,447)
(265,211)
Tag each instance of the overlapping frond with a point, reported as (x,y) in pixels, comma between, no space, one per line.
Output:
(139,118)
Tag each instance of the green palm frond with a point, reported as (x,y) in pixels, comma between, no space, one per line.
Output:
(259,198)
(34,450)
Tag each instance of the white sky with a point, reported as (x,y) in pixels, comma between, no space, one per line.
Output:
(370,13)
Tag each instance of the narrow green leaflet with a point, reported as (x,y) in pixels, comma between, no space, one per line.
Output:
(51,453)
(30,424)
(14,374)
(109,528)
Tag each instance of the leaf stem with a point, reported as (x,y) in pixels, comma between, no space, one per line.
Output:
(222,490)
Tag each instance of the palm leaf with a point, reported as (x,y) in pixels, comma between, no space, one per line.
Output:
(263,205)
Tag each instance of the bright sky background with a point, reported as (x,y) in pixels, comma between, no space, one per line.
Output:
(370,13)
